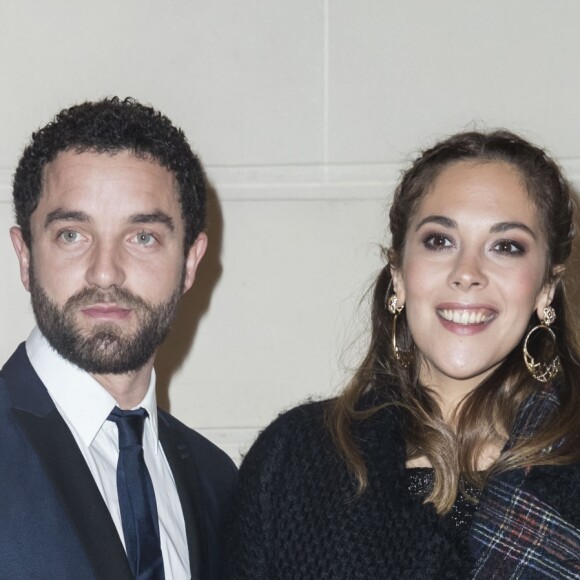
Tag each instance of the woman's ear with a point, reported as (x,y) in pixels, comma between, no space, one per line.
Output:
(546,294)
(398,285)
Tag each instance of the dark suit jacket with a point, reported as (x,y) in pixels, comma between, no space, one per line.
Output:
(54,523)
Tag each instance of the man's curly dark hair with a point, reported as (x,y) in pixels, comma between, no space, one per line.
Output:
(109,126)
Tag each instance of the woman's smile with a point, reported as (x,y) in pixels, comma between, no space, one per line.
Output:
(468,319)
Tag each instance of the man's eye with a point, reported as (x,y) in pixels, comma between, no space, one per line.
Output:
(69,236)
(145,239)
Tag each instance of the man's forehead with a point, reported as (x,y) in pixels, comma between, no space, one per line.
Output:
(107,188)
(73,169)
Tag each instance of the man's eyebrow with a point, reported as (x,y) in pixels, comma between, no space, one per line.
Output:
(506,226)
(437,219)
(62,215)
(137,218)
(157,217)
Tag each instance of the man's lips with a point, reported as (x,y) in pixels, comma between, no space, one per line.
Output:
(106,311)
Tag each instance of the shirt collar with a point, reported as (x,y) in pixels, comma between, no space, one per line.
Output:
(82,401)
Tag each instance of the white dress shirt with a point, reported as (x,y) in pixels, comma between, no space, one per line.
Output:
(85,405)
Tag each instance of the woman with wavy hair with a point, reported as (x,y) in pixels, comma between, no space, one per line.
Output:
(454,452)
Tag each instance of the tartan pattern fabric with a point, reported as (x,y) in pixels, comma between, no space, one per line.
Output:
(519,536)
(514,534)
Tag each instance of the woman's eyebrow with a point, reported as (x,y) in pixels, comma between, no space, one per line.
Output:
(495,228)
(505,226)
(437,219)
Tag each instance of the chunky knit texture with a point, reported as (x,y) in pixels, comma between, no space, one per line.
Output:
(297,516)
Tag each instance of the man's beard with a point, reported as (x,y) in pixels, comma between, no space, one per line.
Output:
(105,349)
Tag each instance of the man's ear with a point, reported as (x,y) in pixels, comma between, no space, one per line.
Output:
(23,254)
(546,294)
(192,260)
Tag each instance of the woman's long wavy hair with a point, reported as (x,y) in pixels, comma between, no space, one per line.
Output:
(485,416)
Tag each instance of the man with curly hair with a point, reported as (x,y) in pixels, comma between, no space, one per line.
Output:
(97,482)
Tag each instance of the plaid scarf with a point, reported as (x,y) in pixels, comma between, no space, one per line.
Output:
(515,535)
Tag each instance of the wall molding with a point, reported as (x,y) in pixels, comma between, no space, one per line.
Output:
(355,182)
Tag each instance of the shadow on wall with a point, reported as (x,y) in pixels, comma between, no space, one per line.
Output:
(193,305)
(573,271)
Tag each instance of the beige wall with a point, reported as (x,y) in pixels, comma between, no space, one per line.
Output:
(304,112)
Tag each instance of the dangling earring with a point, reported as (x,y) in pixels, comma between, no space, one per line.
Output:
(403,357)
(543,371)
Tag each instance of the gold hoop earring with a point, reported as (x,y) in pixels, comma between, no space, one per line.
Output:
(403,357)
(543,371)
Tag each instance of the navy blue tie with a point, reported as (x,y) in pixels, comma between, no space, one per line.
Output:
(137,498)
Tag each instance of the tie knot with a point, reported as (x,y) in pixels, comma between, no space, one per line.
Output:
(130,425)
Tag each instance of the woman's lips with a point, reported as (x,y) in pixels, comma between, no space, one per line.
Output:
(465,320)
(465,316)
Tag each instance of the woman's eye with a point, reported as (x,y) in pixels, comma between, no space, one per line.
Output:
(437,242)
(69,236)
(508,247)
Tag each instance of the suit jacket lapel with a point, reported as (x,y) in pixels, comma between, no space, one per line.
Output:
(186,477)
(66,468)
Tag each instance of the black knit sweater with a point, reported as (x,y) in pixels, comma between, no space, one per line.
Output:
(296,515)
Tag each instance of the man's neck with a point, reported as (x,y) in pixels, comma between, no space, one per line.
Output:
(127,389)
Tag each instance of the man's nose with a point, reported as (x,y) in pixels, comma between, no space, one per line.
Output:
(105,267)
